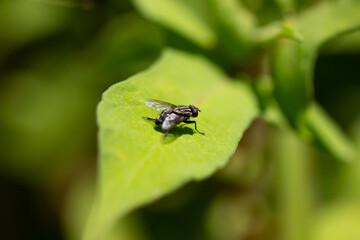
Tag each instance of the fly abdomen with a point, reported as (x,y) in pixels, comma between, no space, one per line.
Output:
(169,122)
(161,118)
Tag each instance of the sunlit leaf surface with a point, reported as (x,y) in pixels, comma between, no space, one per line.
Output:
(135,167)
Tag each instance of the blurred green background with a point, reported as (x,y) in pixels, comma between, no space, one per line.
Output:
(56,59)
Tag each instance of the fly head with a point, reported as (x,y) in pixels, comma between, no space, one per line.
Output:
(194,110)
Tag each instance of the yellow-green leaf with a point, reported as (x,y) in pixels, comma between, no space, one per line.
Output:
(135,167)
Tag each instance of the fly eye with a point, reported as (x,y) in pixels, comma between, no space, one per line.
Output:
(194,110)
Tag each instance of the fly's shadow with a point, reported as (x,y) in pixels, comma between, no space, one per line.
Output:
(174,133)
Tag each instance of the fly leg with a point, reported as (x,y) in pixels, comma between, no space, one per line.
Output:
(195,126)
(150,118)
(163,137)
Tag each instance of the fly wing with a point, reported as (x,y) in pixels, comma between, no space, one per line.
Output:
(159,105)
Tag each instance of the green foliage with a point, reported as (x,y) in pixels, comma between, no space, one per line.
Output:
(339,219)
(43,105)
(130,151)
(294,62)
(292,162)
(171,14)
(126,139)
(32,22)
(234,59)
(235,27)
(329,134)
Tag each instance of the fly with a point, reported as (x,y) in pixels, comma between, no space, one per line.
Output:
(172,115)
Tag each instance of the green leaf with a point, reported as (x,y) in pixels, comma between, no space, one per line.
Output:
(354,171)
(292,166)
(32,21)
(329,134)
(135,167)
(286,4)
(235,27)
(294,62)
(178,16)
(344,44)
(276,30)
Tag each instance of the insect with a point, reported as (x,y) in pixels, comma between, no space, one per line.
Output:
(172,115)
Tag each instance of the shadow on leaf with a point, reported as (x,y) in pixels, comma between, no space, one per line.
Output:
(175,133)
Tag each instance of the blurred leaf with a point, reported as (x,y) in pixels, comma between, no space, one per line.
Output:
(286,4)
(135,168)
(338,221)
(250,160)
(340,218)
(347,43)
(266,11)
(235,215)
(329,134)
(40,117)
(23,21)
(45,101)
(304,3)
(180,17)
(77,206)
(276,30)
(294,195)
(294,62)
(125,45)
(235,26)
(352,175)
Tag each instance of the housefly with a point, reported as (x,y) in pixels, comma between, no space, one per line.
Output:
(172,115)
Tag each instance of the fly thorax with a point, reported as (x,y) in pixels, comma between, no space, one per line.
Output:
(183,110)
